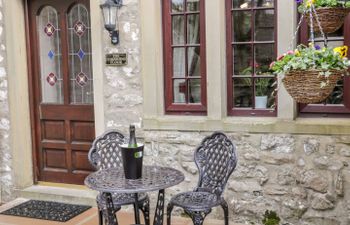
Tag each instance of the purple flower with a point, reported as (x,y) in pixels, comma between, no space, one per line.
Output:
(299,1)
(317,47)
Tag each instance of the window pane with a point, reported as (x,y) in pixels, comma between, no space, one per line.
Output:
(243,91)
(178,24)
(194,63)
(192,5)
(264,25)
(50,56)
(241,21)
(242,60)
(264,55)
(264,93)
(194,90)
(193,29)
(337,96)
(263,3)
(80,66)
(177,5)
(179,62)
(179,91)
(242,4)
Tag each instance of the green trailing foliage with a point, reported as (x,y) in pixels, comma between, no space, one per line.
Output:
(271,218)
(305,4)
(308,58)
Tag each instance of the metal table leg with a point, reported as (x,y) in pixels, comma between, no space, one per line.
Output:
(159,214)
(109,212)
(136,209)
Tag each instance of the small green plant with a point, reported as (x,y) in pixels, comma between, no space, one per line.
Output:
(271,218)
(262,87)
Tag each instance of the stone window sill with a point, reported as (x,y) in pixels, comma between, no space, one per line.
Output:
(252,125)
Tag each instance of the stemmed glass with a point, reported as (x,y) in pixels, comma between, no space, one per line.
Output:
(154,153)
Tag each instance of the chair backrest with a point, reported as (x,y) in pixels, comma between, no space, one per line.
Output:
(216,158)
(105,151)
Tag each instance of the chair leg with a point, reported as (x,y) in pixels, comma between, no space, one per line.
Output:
(100,217)
(144,207)
(197,217)
(225,208)
(168,213)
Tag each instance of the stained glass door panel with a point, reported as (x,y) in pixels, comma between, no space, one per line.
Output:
(50,56)
(81,82)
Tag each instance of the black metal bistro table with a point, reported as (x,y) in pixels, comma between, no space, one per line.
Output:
(112,180)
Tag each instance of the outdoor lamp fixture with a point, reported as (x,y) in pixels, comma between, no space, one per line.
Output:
(110,17)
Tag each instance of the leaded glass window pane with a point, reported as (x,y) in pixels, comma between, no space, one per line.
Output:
(253,49)
(50,56)
(186,48)
(79,49)
(335,39)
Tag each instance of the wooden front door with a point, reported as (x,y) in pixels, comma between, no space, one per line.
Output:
(62,88)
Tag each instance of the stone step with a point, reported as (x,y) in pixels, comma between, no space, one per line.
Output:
(67,194)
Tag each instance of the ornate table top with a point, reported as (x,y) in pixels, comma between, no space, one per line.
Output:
(153,179)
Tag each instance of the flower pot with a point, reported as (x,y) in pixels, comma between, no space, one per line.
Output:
(260,102)
(132,161)
(331,19)
(305,85)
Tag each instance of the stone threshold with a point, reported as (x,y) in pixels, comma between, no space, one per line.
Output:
(74,194)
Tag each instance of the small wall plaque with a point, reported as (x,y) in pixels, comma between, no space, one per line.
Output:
(117,59)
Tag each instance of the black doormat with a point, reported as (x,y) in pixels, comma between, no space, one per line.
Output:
(45,210)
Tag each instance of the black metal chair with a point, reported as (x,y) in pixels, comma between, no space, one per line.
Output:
(216,159)
(105,153)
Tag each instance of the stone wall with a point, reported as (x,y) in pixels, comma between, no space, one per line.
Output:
(123,85)
(305,179)
(5,156)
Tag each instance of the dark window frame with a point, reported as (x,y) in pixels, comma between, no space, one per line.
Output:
(232,111)
(319,110)
(172,108)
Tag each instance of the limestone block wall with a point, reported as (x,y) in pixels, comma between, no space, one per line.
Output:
(123,85)
(305,179)
(5,154)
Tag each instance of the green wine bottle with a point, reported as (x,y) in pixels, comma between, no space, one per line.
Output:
(132,139)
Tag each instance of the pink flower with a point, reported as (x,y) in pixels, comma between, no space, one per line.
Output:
(290,52)
(272,64)
(281,57)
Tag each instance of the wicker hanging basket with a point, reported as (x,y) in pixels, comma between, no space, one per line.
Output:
(305,85)
(331,19)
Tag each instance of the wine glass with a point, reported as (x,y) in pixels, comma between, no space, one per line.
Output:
(154,153)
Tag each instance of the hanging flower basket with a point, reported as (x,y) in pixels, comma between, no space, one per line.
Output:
(331,19)
(305,86)
(311,73)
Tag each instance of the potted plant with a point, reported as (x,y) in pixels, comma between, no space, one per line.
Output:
(271,218)
(261,89)
(311,73)
(330,13)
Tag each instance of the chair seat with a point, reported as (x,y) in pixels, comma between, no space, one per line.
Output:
(121,199)
(196,200)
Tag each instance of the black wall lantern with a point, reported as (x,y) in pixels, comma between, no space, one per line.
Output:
(110,17)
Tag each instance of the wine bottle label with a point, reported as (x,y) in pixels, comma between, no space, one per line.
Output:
(137,155)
